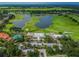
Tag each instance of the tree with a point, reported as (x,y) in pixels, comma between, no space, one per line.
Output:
(11,49)
(5,11)
(2,52)
(74,52)
(57,50)
(50,51)
(11,16)
(49,39)
(70,47)
(34,53)
(16,29)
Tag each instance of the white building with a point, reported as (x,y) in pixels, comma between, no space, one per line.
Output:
(55,36)
(36,36)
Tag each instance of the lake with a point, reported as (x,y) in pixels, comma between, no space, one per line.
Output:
(44,22)
(22,22)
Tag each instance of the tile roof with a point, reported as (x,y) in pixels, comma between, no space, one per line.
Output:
(5,36)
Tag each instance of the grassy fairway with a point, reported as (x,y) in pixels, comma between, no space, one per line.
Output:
(60,24)
(17,17)
(8,26)
(30,25)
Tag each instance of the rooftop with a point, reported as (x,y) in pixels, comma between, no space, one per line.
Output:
(5,36)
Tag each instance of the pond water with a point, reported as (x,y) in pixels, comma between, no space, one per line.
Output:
(44,22)
(22,22)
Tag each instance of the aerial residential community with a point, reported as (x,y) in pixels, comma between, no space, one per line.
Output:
(39,29)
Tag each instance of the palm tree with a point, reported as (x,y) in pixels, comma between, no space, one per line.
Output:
(11,49)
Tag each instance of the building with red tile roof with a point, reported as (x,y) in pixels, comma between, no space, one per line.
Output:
(5,36)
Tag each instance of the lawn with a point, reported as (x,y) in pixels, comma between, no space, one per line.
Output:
(60,24)
(9,25)
(64,24)
(44,9)
(17,17)
(30,25)
(7,28)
